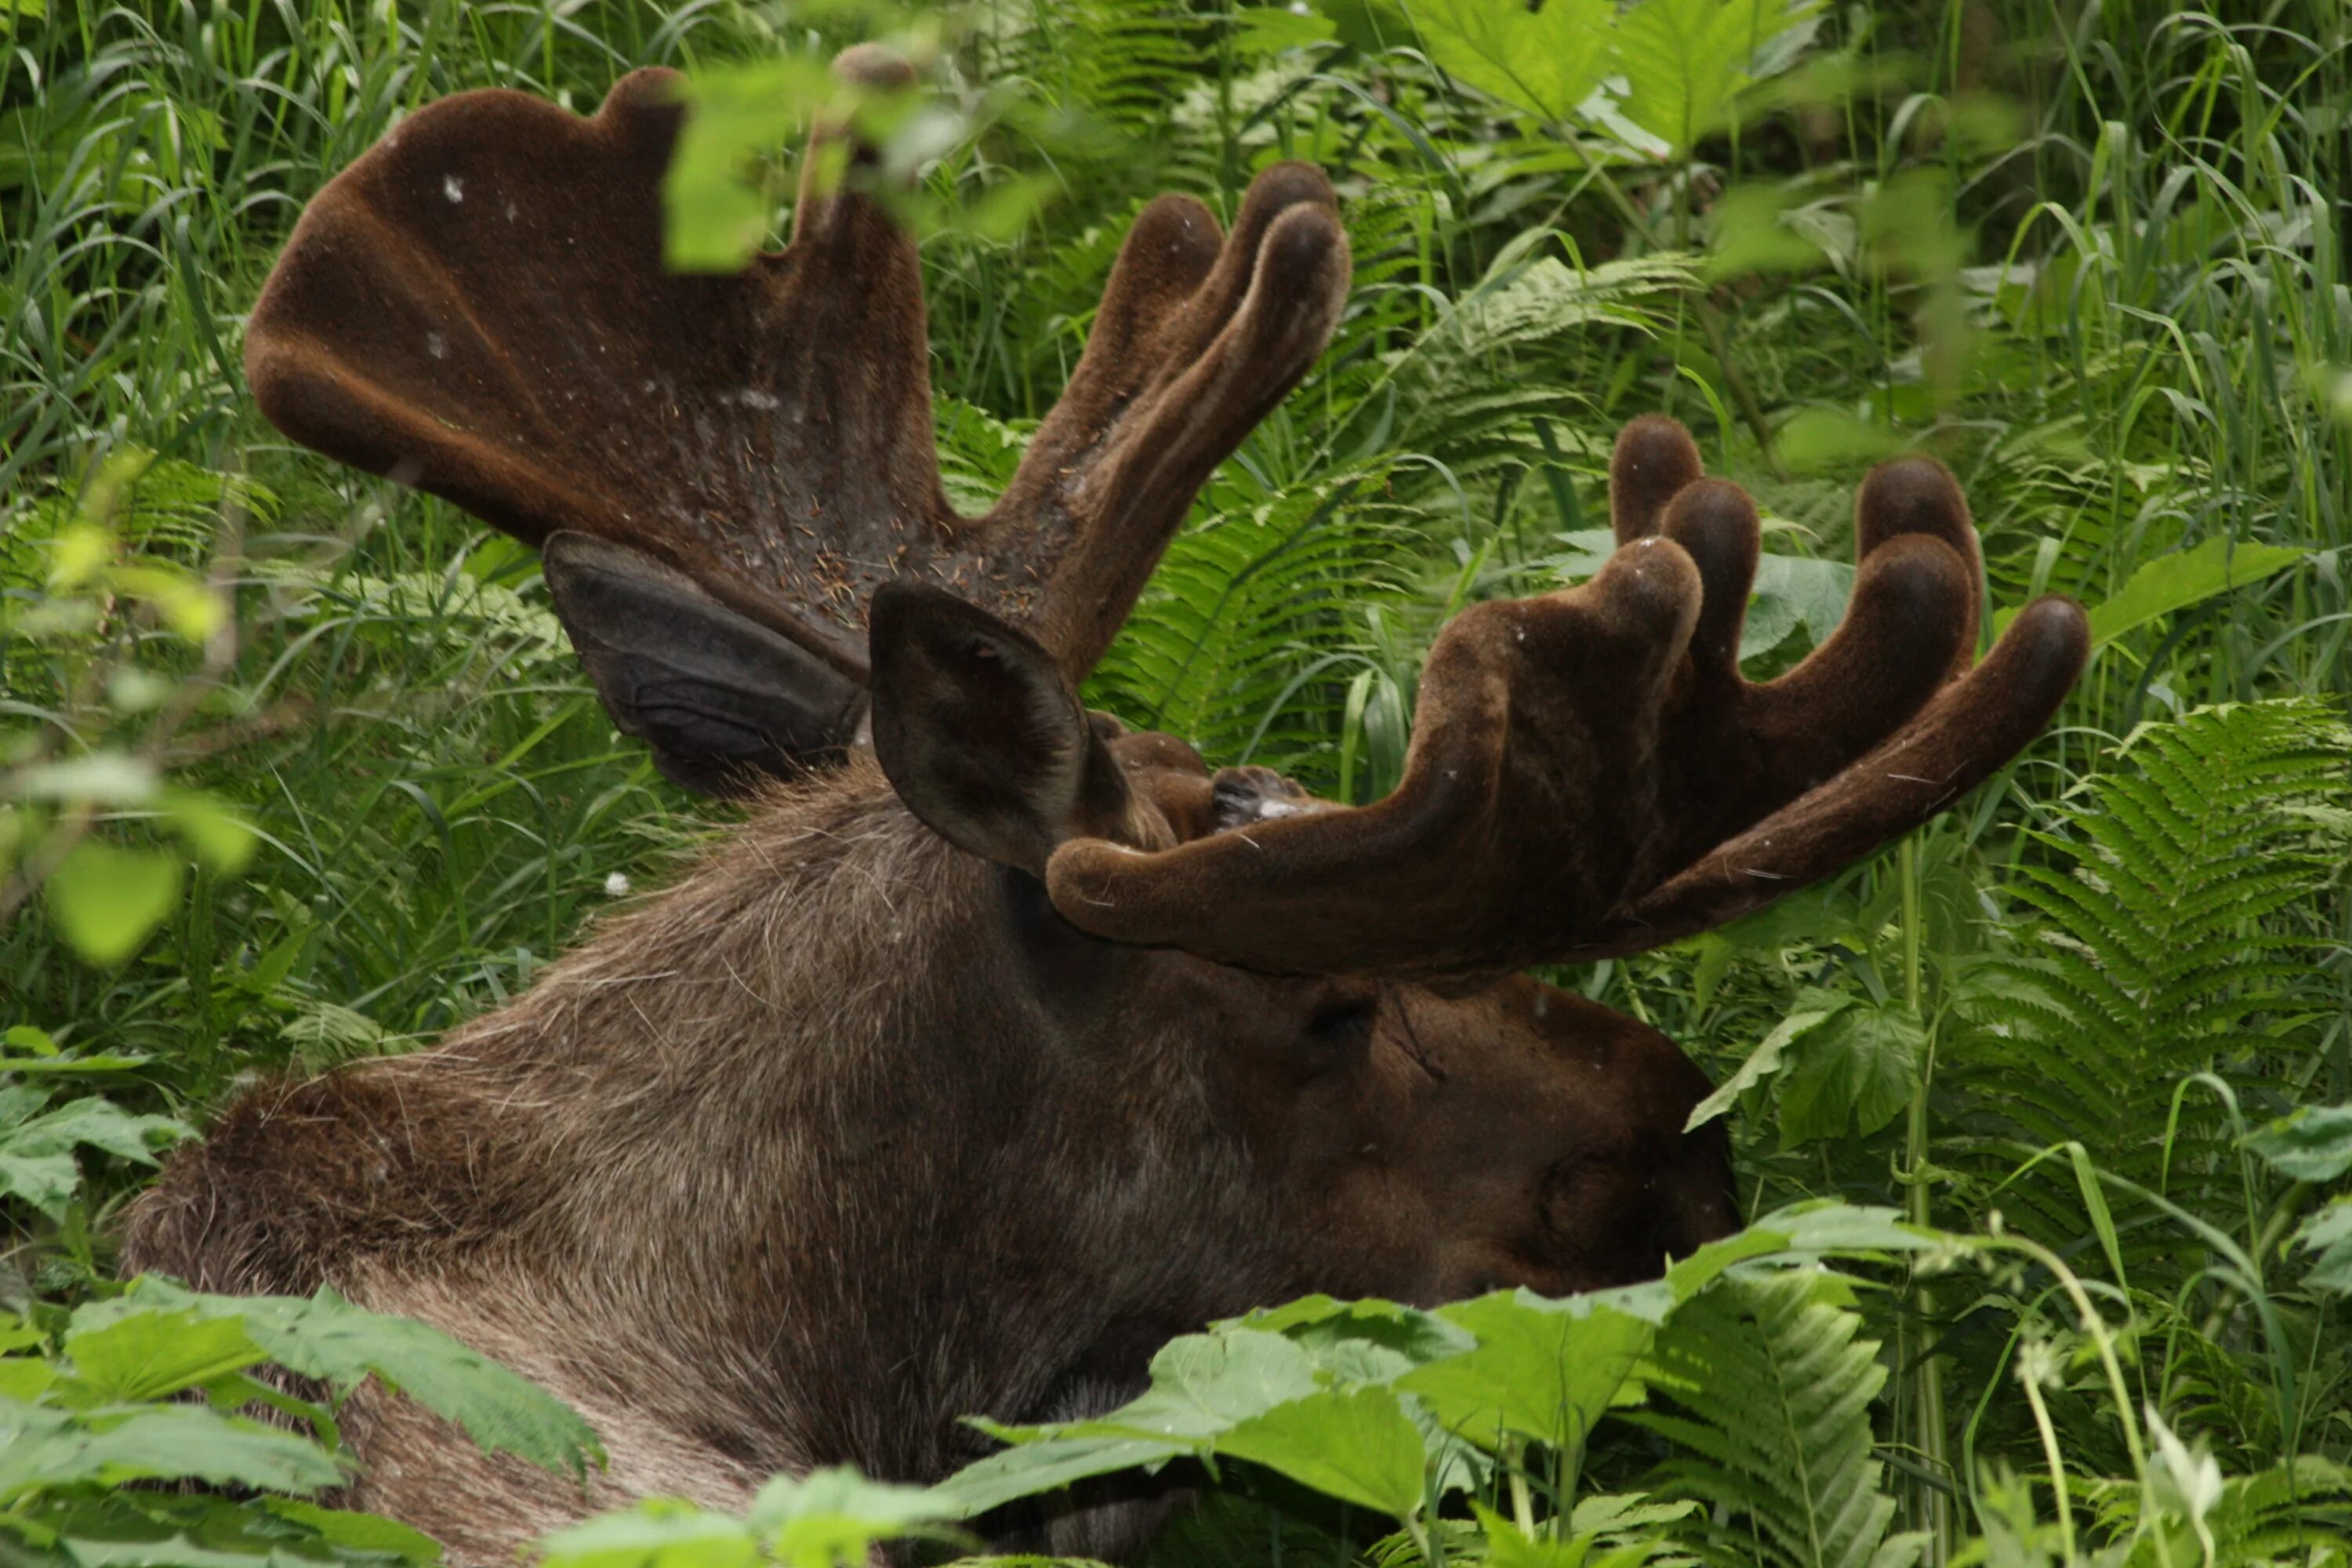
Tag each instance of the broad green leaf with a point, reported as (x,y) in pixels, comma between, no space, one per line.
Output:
(92,1121)
(146,1355)
(27,1378)
(1356,1444)
(359,1531)
(1366,1341)
(1049,1465)
(107,899)
(2313,1144)
(1821,1227)
(1542,1370)
(26,1038)
(716,217)
(1686,1277)
(833,1516)
(45,1182)
(1791,591)
(2175,582)
(1270,30)
(1685,61)
(660,1533)
(42,1448)
(1202,1384)
(1812,1008)
(1746,236)
(1858,1068)
(1815,440)
(327,1338)
(1545,62)
(159,1530)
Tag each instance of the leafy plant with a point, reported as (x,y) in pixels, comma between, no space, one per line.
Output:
(294,765)
(1771,1385)
(2160,955)
(79,1421)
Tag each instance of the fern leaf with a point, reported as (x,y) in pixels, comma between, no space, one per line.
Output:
(1772,1385)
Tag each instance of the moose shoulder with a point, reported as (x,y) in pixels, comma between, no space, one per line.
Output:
(999,1044)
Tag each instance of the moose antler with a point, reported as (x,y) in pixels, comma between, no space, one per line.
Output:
(478,308)
(1590,776)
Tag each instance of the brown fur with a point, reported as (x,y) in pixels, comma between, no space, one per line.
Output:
(858,1129)
(730,1183)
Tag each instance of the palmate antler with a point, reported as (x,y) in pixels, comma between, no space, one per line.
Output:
(724,473)
(478,308)
(1590,775)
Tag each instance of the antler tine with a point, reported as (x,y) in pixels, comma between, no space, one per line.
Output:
(1653,461)
(1196,342)
(1972,729)
(1590,776)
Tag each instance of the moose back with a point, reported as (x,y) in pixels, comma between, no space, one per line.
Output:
(999,1045)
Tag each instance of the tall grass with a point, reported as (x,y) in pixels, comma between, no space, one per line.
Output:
(2091,256)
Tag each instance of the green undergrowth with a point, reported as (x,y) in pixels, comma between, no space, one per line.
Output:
(295,768)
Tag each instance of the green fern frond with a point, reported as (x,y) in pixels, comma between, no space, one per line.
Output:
(1124,61)
(2297,1511)
(1772,1385)
(2170,937)
(1253,625)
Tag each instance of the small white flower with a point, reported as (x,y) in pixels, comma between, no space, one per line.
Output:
(616,886)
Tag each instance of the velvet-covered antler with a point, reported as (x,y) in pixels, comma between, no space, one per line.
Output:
(1590,776)
(478,308)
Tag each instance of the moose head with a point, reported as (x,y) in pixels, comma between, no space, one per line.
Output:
(1000,1043)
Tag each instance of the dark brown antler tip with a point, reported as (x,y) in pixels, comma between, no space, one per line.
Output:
(1918,496)
(2053,639)
(1912,495)
(1271,204)
(1653,459)
(1715,522)
(1173,246)
(646,89)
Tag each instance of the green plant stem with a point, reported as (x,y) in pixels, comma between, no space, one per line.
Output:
(1523,1503)
(1928,1397)
(2104,1345)
(2057,1464)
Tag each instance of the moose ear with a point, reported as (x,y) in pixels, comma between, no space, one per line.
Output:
(719,698)
(978,731)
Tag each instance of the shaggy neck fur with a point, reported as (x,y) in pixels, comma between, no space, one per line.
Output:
(797,1163)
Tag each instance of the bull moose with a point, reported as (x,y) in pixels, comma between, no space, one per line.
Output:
(998,1044)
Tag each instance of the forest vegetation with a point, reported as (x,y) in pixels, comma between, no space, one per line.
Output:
(2043,1116)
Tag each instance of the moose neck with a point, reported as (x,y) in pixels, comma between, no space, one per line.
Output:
(841,1073)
